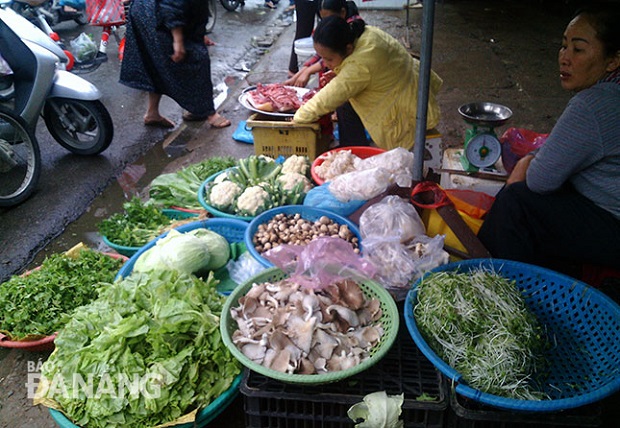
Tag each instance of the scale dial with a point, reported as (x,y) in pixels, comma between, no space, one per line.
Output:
(483,150)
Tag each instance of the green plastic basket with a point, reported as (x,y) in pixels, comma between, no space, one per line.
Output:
(389,321)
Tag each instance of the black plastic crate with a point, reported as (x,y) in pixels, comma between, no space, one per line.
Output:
(467,413)
(404,369)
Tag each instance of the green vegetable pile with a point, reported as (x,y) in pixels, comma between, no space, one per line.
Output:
(180,188)
(138,224)
(259,183)
(160,326)
(479,324)
(37,304)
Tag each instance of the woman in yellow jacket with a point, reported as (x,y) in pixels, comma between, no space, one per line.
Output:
(377,75)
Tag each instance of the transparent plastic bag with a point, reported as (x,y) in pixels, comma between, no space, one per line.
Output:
(398,162)
(84,48)
(393,216)
(399,266)
(321,262)
(360,185)
(395,267)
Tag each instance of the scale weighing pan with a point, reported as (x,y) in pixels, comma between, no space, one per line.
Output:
(485,114)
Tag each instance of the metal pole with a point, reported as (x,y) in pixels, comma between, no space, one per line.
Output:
(426,53)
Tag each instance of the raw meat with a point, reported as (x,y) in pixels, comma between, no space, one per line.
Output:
(274,97)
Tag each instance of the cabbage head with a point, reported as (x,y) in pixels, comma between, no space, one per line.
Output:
(191,252)
(219,248)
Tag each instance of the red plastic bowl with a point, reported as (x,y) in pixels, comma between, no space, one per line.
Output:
(359,151)
(45,343)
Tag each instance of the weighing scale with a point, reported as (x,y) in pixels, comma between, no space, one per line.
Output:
(482,147)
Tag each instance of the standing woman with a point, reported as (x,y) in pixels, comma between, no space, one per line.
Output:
(306,11)
(377,75)
(561,205)
(166,53)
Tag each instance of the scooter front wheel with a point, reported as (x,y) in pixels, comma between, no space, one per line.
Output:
(82,127)
(231,5)
(20,160)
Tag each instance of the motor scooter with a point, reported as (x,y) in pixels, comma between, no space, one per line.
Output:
(57,11)
(70,105)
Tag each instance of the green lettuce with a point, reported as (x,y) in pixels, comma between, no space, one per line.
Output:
(161,328)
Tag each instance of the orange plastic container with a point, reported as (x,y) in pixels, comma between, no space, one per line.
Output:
(360,151)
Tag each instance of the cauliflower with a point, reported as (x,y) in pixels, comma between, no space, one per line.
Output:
(289,180)
(222,195)
(295,163)
(221,177)
(254,200)
(336,163)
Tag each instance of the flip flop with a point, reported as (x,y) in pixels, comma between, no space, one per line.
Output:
(219,122)
(159,123)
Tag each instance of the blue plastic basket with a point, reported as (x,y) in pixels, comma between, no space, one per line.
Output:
(203,417)
(211,209)
(582,322)
(232,230)
(307,213)
(130,251)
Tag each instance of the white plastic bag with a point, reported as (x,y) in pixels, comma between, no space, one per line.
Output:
(392,216)
(360,185)
(398,161)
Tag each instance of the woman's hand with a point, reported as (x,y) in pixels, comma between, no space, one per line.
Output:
(326,78)
(178,47)
(299,79)
(520,170)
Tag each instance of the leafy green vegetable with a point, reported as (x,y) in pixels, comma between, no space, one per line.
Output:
(137,225)
(162,325)
(378,410)
(38,303)
(190,252)
(479,324)
(181,188)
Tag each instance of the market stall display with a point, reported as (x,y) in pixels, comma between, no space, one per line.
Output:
(296,224)
(178,190)
(232,230)
(581,323)
(150,347)
(322,172)
(60,284)
(140,222)
(257,184)
(387,320)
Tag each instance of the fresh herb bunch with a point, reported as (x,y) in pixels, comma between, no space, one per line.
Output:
(159,324)
(139,223)
(180,188)
(479,324)
(37,303)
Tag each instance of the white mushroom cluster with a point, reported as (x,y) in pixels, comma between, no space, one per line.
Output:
(293,329)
